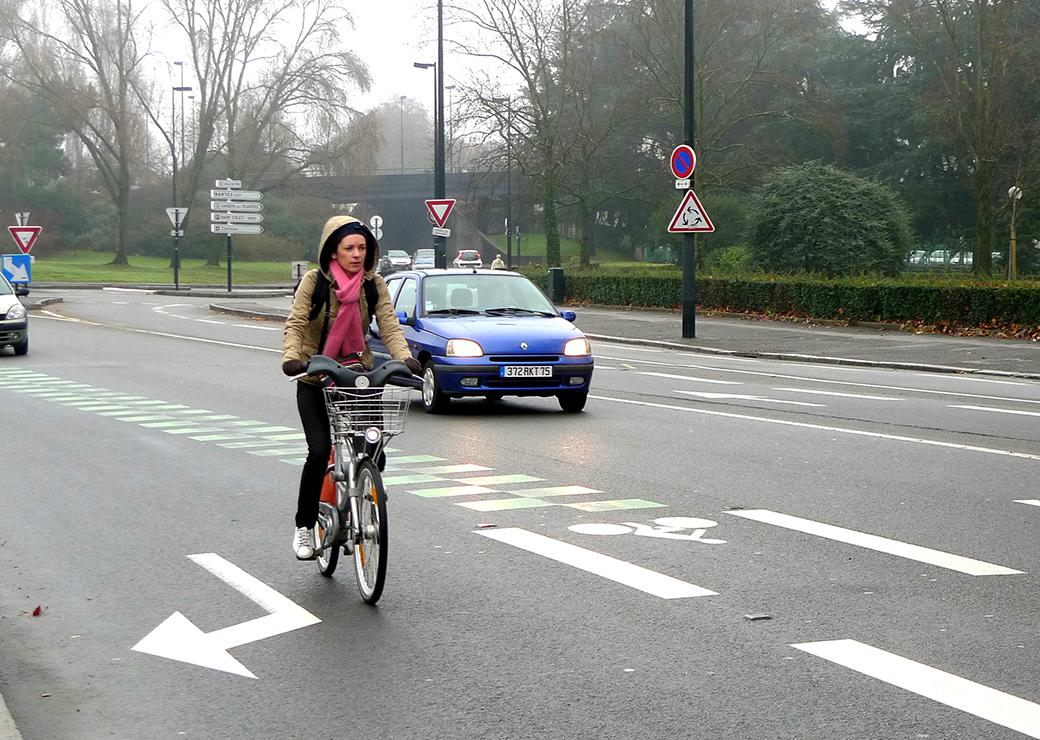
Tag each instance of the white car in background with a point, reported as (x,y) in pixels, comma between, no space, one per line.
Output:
(14,321)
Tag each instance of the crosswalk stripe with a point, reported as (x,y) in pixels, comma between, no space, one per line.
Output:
(452,491)
(408,459)
(874,542)
(193,430)
(404,480)
(276,452)
(505,504)
(628,574)
(558,491)
(438,469)
(615,505)
(498,480)
(946,688)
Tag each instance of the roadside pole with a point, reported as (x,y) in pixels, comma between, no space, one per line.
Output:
(689,253)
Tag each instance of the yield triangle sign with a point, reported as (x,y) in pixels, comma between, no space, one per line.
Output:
(176,216)
(690,216)
(439,209)
(25,236)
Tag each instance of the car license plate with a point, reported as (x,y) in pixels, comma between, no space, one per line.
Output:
(526,371)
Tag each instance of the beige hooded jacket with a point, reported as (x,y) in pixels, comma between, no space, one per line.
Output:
(301,335)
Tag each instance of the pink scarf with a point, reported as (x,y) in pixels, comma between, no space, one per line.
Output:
(347,337)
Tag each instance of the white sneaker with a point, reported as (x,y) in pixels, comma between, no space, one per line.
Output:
(303,543)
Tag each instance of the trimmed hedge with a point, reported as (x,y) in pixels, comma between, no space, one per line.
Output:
(854,299)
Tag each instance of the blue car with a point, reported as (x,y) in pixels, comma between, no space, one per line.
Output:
(488,333)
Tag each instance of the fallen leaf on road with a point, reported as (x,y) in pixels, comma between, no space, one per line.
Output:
(37,611)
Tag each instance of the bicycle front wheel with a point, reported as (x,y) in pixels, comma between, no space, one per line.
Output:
(370,551)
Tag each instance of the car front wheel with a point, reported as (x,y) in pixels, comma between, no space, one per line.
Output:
(572,402)
(434,401)
(22,348)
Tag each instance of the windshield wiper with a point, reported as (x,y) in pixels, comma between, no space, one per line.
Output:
(453,312)
(514,310)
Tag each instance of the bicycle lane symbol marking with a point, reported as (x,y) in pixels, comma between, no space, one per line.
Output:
(665,528)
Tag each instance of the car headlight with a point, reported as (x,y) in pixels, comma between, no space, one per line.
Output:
(463,348)
(17,311)
(577,348)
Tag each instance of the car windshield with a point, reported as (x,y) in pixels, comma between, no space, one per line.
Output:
(397,253)
(469,254)
(487,293)
(424,255)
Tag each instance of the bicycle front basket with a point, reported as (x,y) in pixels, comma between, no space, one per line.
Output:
(353,410)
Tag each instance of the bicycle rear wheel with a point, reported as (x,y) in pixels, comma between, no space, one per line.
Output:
(370,552)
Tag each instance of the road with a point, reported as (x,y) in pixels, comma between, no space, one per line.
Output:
(717,547)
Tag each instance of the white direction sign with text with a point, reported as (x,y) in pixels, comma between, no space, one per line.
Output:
(236,194)
(224,205)
(228,183)
(236,229)
(178,638)
(690,216)
(236,218)
(176,216)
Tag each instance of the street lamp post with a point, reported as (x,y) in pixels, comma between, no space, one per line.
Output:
(173,154)
(451,128)
(1014,195)
(401,105)
(439,256)
(509,180)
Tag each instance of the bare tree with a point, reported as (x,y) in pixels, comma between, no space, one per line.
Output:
(267,109)
(532,40)
(87,72)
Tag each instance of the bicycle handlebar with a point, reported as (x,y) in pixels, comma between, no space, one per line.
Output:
(391,372)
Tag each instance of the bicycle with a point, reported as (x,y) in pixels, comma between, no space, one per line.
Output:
(365,411)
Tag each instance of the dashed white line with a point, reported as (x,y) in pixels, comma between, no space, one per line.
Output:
(746,397)
(937,558)
(822,427)
(836,393)
(946,688)
(673,376)
(997,411)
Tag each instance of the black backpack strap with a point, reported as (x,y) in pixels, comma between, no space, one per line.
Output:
(371,299)
(319,296)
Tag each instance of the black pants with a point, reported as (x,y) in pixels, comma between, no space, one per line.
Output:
(310,400)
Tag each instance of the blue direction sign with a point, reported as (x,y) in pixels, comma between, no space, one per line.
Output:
(683,161)
(17,268)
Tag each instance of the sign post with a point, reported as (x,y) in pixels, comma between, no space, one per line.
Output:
(176,216)
(234,211)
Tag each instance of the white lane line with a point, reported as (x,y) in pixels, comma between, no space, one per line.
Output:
(254,326)
(873,542)
(997,411)
(782,376)
(746,397)
(209,321)
(936,376)
(836,393)
(634,576)
(167,335)
(1030,501)
(130,290)
(823,427)
(692,379)
(946,688)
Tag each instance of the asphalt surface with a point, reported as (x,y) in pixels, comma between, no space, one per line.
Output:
(476,637)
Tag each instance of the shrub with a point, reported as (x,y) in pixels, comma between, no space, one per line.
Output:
(816,218)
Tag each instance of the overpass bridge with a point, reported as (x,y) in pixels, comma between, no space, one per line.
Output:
(399,199)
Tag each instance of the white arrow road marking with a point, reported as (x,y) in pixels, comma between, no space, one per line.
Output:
(745,397)
(1030,501)
(953,691)
(836,393)
(692,379)
(873,542)
(178,639)
(637,577)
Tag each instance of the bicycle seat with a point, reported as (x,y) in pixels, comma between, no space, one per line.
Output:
(393,372)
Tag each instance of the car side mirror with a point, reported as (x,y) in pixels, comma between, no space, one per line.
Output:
(402,317)
(569,315)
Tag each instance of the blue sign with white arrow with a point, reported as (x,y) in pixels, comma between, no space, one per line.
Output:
(17,268)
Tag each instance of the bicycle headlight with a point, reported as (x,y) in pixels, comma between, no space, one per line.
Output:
(463,348)
(361,382)
(577,347)
(372,435)
(17,311)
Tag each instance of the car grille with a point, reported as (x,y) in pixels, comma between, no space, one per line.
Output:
(524,358)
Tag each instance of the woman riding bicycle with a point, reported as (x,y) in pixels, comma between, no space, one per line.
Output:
(330,316)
